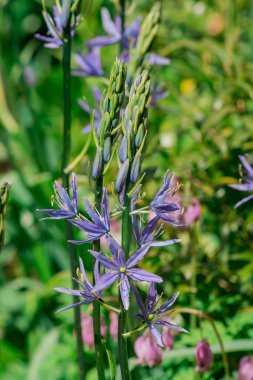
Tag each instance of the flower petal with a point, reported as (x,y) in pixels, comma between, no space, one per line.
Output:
(68,291)
(138,255)
(124,291)
(106,280)
(108,263)
(171,326)
(138,274)
(168,303)
(156,334)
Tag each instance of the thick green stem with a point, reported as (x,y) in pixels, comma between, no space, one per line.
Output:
(65,180)
(122,4)
(122,342)
(96,306)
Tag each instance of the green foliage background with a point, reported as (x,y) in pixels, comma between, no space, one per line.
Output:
(197,131)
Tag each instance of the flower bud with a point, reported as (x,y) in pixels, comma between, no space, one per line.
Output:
(139,136)
(147,350)
(245,371)
(204,356)
(192,212)
(136,169)
(107,149)
(97,165)
(122,176)
(123,149)
(168,338)
(113,325)
(87,330)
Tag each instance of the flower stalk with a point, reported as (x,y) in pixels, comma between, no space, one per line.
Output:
(122,342)
(66,67)
(96,305)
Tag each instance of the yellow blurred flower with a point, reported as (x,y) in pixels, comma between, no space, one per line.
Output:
(187,86)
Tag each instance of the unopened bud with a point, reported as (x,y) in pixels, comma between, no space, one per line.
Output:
(139,136)
(107,149)
(123,149)
(97,165)
(136,169)
(122,176)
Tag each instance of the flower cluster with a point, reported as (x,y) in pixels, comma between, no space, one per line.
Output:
(116,269)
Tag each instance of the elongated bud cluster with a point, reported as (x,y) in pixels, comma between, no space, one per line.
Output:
(4,195)
(148,32)
(134,131)
(65,13)
(109,123)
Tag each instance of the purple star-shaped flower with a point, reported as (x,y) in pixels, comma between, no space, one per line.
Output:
(97,114)
(67,207)
(98,226)
(163,204)
(247,178)
(113,30)
(120,270)
(89,65)
(86,292)
(148,234)
(55,25)
(156,317)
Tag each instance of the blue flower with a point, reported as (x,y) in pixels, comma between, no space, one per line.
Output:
(247,178)
(163,203)
(148,233)
(67,207)
(89,65)
(55,26)
(86,292)
(113,30)
(98,226)
(156,317)
(120,270)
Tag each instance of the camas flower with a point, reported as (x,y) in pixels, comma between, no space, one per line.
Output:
(67,207)
(156,317)
(163,203)
(113,30)
(148,234)
(247,178)
(119,269)
(87,288)
(55,26)
(98,226)
(89,65)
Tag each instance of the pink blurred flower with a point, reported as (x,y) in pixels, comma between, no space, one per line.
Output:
(192,212)
(87,330)
(245,371)
(147,350)
(168,338)
(113,325)
(204,356)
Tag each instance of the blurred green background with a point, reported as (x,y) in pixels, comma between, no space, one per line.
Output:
(197,132)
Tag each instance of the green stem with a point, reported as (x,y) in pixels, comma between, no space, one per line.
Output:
(65,180)
(193,255)
(122,342)
(122,20)
(96,306)
(202,314)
